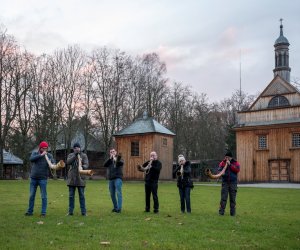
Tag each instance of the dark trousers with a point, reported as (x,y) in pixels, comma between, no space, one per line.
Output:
(185,200)
(231,189)
(151,188)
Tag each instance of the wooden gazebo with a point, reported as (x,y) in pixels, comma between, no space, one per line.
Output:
(136,141)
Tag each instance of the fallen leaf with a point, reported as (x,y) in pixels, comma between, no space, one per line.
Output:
(180,223)
(105,243)
(148,219)
(59,223)
(40,222)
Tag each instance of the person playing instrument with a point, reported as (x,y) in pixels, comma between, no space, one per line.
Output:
(115,175)
(152,170)
(76,160)
(39,176)
(184,183)
(229,183)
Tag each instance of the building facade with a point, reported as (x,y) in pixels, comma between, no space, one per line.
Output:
(138,140)
(268,133)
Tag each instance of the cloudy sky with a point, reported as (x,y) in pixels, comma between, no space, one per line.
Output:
(200,40)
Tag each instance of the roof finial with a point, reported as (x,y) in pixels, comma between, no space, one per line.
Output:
(281,27)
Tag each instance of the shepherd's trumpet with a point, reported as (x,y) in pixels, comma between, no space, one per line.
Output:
(61,164)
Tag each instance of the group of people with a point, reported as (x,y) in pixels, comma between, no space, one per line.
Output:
(151,168)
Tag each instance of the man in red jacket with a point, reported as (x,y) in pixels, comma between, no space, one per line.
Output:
(229,183)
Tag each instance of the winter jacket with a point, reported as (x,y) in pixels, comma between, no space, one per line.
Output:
(184,180)
(39,165)
(115,168)
(230,175)
(153,174)
(74,177)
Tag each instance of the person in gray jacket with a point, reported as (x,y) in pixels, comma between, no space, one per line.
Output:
(76,160)
(39,177)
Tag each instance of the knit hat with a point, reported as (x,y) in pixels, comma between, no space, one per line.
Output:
(181,158)
(76,145)
(43,144)
(228,153)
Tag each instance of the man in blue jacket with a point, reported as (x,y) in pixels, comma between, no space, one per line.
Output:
(39,176)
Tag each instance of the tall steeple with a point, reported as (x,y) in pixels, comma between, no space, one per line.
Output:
(282,56)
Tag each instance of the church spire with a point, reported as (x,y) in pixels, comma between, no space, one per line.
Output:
(282,56)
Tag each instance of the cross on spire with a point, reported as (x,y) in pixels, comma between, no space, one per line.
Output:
(280,21)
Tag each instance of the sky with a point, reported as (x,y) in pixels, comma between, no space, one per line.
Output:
(206,44)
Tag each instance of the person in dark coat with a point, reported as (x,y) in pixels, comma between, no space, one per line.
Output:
(184,183)
(39,177)
(115,175)
(76,160)
(229,183)
(152,170)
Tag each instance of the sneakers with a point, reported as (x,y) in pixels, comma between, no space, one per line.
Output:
(42,215)
(69,214)
(28,214)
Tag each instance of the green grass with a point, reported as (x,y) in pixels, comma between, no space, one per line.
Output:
(266,219)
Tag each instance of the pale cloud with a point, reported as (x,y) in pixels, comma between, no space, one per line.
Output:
(202,42)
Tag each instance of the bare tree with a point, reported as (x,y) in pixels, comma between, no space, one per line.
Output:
(24,105)
(68,64)
(109,90)
(156,90)
(9,87)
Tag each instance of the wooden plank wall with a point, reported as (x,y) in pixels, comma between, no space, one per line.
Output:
(244,146)
(269,115)
(165,155)
(148,143)
(255,162)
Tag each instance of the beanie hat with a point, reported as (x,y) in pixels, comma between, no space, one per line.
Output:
(76,145)
(43,144)
(181,158)
(228,153)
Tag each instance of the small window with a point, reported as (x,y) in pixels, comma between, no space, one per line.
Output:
(262,142)
(135,148)
(164,142)
(278,101)
(296,140)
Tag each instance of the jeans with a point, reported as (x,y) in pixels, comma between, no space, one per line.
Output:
(115,188)
(151,187)
(34,183)
(230,188)
(185,199)
(72,198)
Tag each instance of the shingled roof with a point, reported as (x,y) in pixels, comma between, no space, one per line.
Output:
(11,159)
(144,125)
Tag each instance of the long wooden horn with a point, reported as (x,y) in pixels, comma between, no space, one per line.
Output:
(86,172)
(215,176)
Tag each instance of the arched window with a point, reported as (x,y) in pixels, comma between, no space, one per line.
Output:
(278,101)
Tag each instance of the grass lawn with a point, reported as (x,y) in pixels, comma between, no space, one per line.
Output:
(266,219)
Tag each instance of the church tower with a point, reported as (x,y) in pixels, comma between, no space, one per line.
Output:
(282,56)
